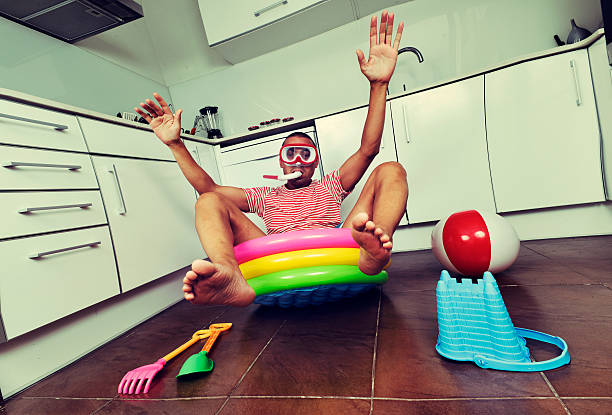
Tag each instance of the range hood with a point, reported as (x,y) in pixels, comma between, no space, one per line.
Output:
(71,20)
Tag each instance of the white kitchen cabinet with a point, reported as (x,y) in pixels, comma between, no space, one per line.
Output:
(340,136)
(543,135)
(48,277)
(441,142)
(28,213)
(150,209)
(224,20)
(36,169)
(243,165)
(207,160)
(601,72)
(31,126)
(114,139)
(243,29)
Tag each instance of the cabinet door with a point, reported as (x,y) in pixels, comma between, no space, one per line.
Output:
(150,209)
(207,160)
(48,277)
(224,20)
(441,142)
(602,84)
(544,143)
(339,138)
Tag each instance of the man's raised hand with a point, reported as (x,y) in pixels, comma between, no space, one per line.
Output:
(165,124)
(383,55)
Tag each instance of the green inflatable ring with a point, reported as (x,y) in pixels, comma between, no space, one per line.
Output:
(313,276)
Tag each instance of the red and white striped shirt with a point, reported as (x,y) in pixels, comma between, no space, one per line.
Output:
(314,206)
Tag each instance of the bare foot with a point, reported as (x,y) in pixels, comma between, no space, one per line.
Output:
(209,283)
(374,242)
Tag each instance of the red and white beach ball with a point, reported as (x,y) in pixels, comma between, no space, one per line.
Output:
(472,242)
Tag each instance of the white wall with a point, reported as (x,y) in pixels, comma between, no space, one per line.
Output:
(43,66)
(321,75)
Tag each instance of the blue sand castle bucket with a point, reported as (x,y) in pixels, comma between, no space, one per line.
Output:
(474,325)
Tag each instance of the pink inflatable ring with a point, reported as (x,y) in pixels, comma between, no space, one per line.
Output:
(294,241)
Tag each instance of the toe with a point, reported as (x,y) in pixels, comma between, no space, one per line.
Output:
(384,238)
(190,277)
(388,245)
(378,232)
(359,221)
(370,226)
(201,267)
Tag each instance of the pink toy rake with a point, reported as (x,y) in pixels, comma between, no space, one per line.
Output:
(134,379)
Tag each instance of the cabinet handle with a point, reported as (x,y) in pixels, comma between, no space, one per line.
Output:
(576,83)
(122,209)
(11,164)
(35,209)
(38,255)
(58,127)
(406,136)
(270,7)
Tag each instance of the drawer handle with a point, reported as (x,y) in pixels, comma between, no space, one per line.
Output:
(270,7)
(576,83)
(113,170)
(12,164)
(36,209)
(58,127)
(39,255)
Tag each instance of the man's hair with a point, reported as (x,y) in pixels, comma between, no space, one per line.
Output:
(300,134)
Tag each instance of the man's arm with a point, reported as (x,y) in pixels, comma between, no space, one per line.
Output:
(167,127)
(378,70)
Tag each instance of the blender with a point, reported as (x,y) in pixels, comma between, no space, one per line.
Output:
(210,117)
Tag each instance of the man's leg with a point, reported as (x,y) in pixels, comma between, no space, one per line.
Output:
(220,225)
(377,213)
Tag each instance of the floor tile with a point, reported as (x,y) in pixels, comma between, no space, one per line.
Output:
(589,406)
(590,257)
(470,407)
(408,366)
(533,268)
(52,406)
(305,361)
(163,407)
(232,354)
(412,271)
(582,316)
(296,406)
(98,374)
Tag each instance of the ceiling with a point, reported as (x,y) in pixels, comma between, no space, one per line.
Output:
(168,45)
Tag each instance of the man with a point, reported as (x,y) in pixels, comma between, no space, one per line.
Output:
(301,203)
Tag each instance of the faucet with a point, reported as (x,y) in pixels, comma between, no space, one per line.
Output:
(416,52)
(413,50)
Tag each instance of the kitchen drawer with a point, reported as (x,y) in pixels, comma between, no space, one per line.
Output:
(37,291)
(38,127)
(33,169)
(27,213)
(119,140)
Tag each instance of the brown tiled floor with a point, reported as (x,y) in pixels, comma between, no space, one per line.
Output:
(372,354)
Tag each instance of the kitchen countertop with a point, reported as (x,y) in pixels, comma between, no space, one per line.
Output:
(296,124)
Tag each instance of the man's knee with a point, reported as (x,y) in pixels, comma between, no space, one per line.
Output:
(390,170)
(210,200)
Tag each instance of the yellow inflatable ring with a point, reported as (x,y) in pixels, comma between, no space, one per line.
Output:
(299,259)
